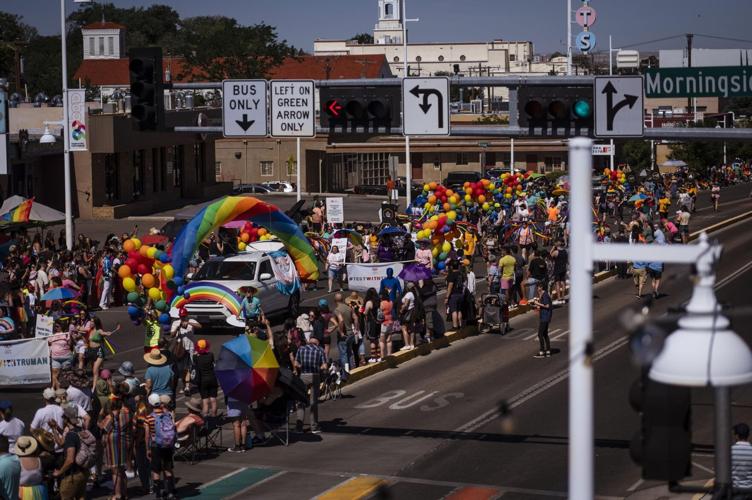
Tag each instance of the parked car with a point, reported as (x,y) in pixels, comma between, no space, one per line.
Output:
(457,179)
(249,268)
(280,186)
(251,188)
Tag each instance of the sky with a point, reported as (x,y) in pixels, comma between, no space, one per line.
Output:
(300,22)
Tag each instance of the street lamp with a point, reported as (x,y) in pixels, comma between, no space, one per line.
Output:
(408,163)
(47,137)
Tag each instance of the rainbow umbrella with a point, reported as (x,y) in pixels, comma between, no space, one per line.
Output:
(246,368)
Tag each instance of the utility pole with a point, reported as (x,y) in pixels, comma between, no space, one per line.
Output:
(408,163)
(569,37)
(690,36)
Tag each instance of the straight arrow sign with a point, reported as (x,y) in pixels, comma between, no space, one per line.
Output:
(245,124)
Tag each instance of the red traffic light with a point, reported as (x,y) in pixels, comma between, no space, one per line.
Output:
(333,108)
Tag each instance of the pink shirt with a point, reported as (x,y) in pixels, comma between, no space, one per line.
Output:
(423,256)
(59,345)
(386,309)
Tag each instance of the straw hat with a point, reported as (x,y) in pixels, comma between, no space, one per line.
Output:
(26,446)
(194,404)
(154,357)
(44,439)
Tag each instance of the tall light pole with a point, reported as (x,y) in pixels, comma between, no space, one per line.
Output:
(611,72)
(569,37)
(66,136)
(408,163)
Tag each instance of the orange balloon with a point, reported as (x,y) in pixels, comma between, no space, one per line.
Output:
(262,231)
(128,246)
(148,280)
(124,271)
(144,250)
(447,207)
(244,237)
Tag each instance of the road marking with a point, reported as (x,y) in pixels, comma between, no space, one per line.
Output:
(636,485)
(702,467)
(353,488)
(474,493)
(254,485)
(560,335)
(222,478)
(731,277)
(231,484)
(534,336)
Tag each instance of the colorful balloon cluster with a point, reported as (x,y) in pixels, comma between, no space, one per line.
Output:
(148,274)
(615,177)
(250,233)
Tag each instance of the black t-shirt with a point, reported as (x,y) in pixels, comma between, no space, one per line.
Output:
(204,365)
(560,261)
(538,269)
(456,278)
(71,441)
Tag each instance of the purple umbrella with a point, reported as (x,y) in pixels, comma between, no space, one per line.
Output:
(415,272)
(246,368)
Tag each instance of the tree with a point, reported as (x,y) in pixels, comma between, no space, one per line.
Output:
(13,35)
(362,39)
(636,154)
(220,48)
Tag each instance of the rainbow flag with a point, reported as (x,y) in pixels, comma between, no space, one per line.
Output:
(20,213)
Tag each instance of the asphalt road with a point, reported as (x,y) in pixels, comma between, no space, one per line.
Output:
(431,427)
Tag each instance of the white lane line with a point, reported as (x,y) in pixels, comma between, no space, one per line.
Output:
(222,478)
(731,277)
(534,336)
(636,485)
(702,467)
(560,335)
(254,485)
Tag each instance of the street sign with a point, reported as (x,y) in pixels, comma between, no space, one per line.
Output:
(721,81)
(619,106)
(244,108)
(585,41)
(292,108)
(425,106)
(586,16)
(603,150)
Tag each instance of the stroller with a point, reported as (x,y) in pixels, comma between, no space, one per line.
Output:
(332,383)
(494,314)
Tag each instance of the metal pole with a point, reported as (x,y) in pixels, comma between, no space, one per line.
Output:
(611,72)
(408,163)
(511,155)
(722,442)
(66,137)
(581,446)
(569,37)
(297,146)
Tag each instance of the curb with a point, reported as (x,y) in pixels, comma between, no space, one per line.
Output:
(396,359)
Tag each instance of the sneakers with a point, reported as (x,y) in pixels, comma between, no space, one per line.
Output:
(540,354)
(299,427)
(548,354)
(236,449)
(405,348)
(315,429)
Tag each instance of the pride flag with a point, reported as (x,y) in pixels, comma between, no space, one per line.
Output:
(20,213)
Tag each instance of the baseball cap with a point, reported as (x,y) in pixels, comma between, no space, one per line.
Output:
(183,312)
(323,303)
(165,399)
(5,404)
(154,399)
(48,394)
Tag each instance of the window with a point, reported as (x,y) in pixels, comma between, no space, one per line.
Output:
(461,159)
(198,161)
(111,45)
(138,173)
(396,59)
(217,171)
(388,11)
(267,168)
(175,160)
(227,270)
(91,46)
(512,57)
(552,164)
(101,45)
(154,170)
(265,268)
(463,58)
(111,176)
(441,58)
(418,58)
(437,165)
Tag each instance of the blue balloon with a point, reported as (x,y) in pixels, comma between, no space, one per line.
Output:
(187,295)
(164,318)
(441,266)
(133,311)
(164,258)
(181,290)
(178,280)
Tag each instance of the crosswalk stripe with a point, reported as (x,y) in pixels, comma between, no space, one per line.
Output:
(354,488)
(560,335)
(474,493)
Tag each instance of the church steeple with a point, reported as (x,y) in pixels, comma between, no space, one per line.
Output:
(389,28)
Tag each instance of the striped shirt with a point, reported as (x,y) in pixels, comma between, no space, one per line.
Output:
(741,464)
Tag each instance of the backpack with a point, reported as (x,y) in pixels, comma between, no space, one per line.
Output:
(86,456)
(164,430)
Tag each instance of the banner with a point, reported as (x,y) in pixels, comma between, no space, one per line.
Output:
(77,119)
(335,211)
(284,270)
(341,244)
(24,362)
(361,277)
(44,326)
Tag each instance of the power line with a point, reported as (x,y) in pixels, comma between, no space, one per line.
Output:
(653,41)
(724,38)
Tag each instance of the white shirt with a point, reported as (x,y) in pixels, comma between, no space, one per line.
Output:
(12,430)
(184,332)
(42,282)
(470,282)
(408,301)
(44,415)
(741,464)
(79,397)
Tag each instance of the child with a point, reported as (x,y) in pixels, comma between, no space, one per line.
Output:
(250,308)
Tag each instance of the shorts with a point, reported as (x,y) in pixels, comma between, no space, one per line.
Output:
(237,410)
(684,229)
(162,459)
(182,365)
(655,274)
(58,363)
(73,485)
(639,275)
(560,276)
(208,389)
(92,353)
(333,273)
(455,301)
(506,283)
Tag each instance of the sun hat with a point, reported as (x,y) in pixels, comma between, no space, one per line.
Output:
(126,369)
(154,357)
(25,446)
(203,346)
(165,399)
(154,399)
(194,404)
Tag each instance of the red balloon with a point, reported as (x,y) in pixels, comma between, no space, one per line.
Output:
(133,254)
(142,269)
(132,263)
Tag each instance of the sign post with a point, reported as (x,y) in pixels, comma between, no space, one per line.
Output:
(244,108)
(293,114)
(619,106)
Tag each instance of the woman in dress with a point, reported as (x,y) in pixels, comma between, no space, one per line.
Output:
(117,437)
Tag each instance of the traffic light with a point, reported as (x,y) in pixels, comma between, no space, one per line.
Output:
(147,89)
(556,111)
(360,110)
(663,445)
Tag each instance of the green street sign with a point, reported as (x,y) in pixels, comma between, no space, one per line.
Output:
(723,81)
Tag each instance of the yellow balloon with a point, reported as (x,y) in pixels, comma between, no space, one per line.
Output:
(169,271)
(452,215)
(434,217)
(446,246)
(435,251)
(155,294)
(468,197)
(427,206)
(136,243)
(241,246)
(129,284)
(151,252)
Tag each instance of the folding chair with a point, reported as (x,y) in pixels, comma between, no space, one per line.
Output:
(278,423)
(211,433)
(188,445)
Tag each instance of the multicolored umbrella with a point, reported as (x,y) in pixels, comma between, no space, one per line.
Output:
(246,368)
(637,197)
(352,236)
(59,293)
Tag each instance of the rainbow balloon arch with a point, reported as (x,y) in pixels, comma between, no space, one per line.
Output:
(151,274)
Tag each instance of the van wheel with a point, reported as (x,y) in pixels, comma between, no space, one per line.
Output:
(294,306)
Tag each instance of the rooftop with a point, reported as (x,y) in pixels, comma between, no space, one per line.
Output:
(102,25)
(333,67)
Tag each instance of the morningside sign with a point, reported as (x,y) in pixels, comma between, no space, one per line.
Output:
(725,81)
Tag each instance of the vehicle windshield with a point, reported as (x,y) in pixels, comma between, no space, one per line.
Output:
(227,270)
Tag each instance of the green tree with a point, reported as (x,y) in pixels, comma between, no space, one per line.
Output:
(14,34)
(220,48)
(362,38)
(636,154)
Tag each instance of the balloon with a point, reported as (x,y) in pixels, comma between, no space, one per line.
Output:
(129,284)
(181,289)
(128,245)
(178,280)
(241,246)
(142,268)
(124,271)
(143,251)
(441,265)
(486,206)
(432,199)
(132,311)
(426,187)
(161,305)
(164,319)
(443,255)
(168,271)
(187,295)
(435,251)
(244,237)
(262,231)
(432,186)
(155,294)
(446,247)
(136,243)
(131,263)
(151,252)
(132,297)
(164,258)
(148,280)
(468,198)
(481,199)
